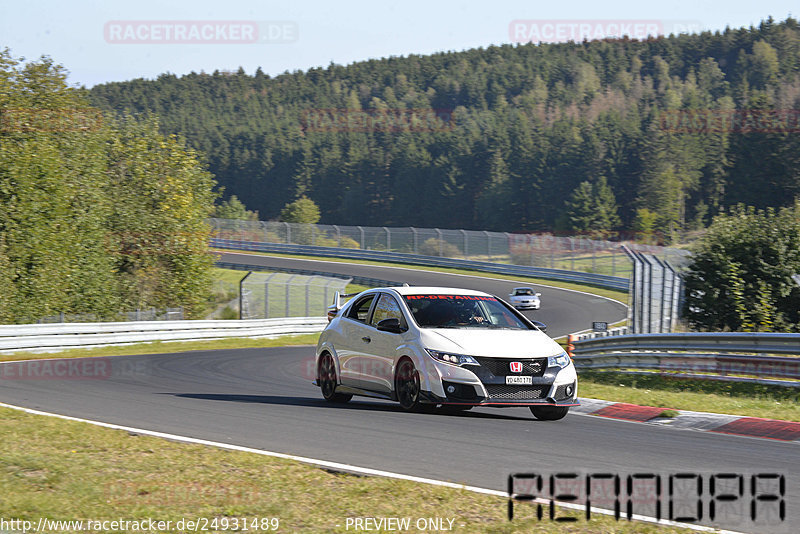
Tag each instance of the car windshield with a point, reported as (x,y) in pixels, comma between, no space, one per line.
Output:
(462,311)
(520,292)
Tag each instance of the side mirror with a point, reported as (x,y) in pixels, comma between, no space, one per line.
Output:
(390,325)
(541,326)
(538,294)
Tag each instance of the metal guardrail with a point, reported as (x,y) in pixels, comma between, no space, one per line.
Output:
(54,337)
(361,280)
(734,356)
(599,280)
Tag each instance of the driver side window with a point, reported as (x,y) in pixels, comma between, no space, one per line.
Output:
(388,308)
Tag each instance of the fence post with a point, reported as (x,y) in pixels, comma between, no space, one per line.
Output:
(466,243)
(613,263)
(362,236)
(288,233)
(439,237)
(416,239)
(266,294)
(488,245)
(308,289)
(533,261)
(338,236)
(241,293)
(388,239)
(288,289)
(572,254)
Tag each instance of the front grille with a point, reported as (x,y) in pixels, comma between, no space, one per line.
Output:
(500,366)
(561,393)
(506,392)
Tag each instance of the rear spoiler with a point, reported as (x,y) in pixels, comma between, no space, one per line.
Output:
(334,308)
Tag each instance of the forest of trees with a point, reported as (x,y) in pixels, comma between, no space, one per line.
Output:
(535,133)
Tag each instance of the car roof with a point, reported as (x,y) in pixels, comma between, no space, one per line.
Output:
(526,287)
(431,290)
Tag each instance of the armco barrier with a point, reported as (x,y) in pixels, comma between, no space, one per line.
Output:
(54,337)
(361,280)
(734,356)
(599,280)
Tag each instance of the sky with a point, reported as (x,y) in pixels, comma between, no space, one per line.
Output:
(101,41)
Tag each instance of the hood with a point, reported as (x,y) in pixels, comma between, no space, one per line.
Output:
(491,343)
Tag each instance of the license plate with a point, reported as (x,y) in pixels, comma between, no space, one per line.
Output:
(519,380)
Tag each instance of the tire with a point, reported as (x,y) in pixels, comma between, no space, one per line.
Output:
(549,413)
(407,387)
(328,381)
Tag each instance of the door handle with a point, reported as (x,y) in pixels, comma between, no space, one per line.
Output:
(366,339)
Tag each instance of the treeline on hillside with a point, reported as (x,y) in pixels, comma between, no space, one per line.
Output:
(97,216)
(536,135)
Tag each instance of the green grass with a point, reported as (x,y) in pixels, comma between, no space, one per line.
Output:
(735,398)
(609,293)
(66,470)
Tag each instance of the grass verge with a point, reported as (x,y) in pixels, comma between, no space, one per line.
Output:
(752,400)
(609,293)
(65,470)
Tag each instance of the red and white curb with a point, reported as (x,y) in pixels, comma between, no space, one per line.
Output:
(754,427)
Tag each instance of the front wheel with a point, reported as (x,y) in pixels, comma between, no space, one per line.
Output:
(327,380)
(407,387)
(549,413)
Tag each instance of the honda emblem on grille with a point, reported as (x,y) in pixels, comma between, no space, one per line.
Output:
(516,367)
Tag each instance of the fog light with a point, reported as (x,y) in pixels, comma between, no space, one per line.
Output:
(568,391)
(451,389)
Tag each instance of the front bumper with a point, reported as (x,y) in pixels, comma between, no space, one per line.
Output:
(486,385)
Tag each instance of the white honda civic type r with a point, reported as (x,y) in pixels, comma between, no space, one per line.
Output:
(430,346)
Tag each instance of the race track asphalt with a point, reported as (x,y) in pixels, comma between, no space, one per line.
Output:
(264,398)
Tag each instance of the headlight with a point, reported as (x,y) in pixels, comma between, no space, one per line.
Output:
(562,360)
(452,359)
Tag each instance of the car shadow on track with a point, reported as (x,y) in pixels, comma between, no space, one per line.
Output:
(359,405)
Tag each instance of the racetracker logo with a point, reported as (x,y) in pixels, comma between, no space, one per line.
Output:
(705,121)
(378,120)
(200,32)
(29,120)
(562,31)
(100,368)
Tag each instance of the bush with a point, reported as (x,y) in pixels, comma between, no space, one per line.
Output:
(438,247)
(344,242)
(521,255)
(740,277)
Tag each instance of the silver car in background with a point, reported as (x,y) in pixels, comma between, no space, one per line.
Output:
(525,298)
